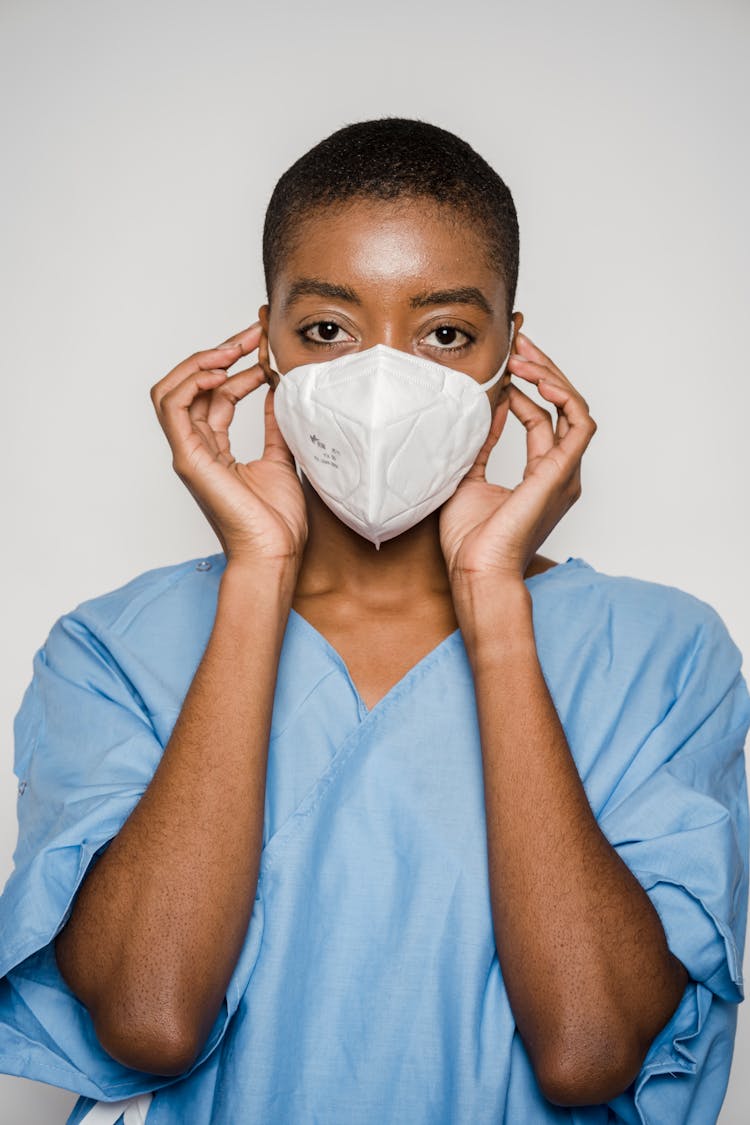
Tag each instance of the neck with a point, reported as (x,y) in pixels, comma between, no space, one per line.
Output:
(339,562)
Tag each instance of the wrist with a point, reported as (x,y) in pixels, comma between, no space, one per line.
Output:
(268,584)
(495,615)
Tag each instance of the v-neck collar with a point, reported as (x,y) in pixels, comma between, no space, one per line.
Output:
(338,659)
(423,662)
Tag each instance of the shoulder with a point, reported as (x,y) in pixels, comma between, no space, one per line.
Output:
(138,644)
(157,599)
(631,613)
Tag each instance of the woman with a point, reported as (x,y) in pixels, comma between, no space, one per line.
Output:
(379,815)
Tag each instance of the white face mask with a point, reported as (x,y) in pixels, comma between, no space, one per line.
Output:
(383,436)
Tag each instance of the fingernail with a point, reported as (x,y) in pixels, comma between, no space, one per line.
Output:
(227,345)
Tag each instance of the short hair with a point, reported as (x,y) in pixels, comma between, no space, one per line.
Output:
(394,158)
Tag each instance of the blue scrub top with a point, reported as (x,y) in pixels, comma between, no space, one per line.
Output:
(368,990)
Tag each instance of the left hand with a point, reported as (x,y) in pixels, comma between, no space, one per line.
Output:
(490,531)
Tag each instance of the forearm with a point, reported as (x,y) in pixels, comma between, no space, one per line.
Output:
(583,953)
(159,922)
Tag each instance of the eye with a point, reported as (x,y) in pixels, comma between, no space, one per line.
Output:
(327,332)
(446,334)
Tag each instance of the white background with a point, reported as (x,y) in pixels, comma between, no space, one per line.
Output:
(140,145)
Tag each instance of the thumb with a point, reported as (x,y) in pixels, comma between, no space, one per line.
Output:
(275,448)
(499,418)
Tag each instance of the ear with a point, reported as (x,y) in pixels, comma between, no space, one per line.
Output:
(272,377)
(517,319)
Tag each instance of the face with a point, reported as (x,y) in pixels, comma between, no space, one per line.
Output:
(408,274)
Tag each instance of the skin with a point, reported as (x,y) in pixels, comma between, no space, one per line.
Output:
(384,610)
(160,920)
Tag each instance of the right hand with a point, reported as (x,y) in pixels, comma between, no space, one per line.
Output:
(258,509)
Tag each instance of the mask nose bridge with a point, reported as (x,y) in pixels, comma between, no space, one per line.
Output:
(386,347)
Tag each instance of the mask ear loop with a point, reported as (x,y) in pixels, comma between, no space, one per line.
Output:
(272,363)
(498,375)
(272,358)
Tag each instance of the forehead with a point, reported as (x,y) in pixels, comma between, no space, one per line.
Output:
(390,241)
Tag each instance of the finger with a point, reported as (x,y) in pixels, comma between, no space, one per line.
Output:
(562,427)
(275,448)
(478,470)
(580,426)
(200,405)
(534,372)
(534,362)
(198,411)
(217,359)
(173,408)
(222,356)
(225,397)
(536,420)
(210,439)
(246,340)
(529,350)
(211,412)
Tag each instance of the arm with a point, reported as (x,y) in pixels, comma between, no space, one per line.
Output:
(584,957)
(583,953)
(159,922)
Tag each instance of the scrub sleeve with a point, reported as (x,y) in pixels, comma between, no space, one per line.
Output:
(680,822)
(85,752)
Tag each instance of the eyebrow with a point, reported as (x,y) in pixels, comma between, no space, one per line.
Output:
(313,286)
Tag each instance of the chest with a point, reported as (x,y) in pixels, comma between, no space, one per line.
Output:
(379,649)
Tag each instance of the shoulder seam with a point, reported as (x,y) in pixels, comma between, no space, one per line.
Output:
(85,612)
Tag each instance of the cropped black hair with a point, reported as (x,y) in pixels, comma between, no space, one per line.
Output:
(394,158)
